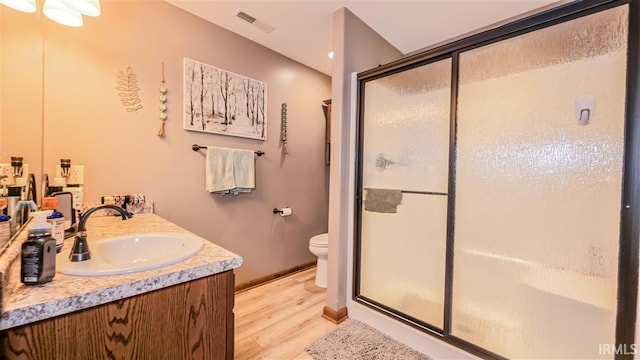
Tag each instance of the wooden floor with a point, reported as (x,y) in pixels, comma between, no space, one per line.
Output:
(279,319)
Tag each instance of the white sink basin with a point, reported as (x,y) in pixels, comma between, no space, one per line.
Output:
(132,253)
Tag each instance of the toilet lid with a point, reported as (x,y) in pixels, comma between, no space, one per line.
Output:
(320,240)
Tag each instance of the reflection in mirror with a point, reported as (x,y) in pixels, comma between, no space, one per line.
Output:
(24,38)
(5,242)
(21,87)
(21,114)
(17,195)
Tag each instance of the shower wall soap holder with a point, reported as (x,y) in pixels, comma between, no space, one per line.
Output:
(585,106)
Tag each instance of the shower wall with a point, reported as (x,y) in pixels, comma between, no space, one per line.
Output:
(536,212)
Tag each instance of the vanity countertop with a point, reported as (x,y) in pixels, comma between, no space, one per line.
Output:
(64,294)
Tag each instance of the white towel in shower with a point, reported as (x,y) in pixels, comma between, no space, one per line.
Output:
(229,170)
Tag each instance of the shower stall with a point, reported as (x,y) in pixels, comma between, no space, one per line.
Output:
(495,185)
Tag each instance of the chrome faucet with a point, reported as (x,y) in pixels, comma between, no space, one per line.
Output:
(80,250)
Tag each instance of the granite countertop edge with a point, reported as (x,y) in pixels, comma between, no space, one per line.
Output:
(66,305)
(22,304)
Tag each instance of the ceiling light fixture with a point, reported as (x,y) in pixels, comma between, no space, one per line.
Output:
(59,12)
(66,12)
(330,54)
(28,6)
(85,7)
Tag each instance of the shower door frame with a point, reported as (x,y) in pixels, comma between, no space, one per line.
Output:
(628,262)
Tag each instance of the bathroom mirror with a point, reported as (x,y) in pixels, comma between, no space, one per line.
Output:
(5,245)
(21,91)
(21,88)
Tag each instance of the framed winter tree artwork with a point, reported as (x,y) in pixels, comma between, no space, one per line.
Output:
(221,102)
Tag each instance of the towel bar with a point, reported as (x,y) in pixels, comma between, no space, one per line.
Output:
(196,147)
(414,192)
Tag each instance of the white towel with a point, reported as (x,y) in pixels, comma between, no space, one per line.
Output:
(229,170)
(244,173)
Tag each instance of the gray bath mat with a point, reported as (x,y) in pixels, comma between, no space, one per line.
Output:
(355,340)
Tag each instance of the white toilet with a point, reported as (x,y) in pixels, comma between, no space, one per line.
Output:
(319,246)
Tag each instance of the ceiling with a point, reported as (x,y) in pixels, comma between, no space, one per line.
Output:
(302,29)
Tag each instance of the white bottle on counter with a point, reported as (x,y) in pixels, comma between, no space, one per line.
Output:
(56,219)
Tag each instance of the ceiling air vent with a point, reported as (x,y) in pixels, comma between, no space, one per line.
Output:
(255,22)
(246,17)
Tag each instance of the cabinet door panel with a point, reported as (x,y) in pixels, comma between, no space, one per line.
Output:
(184,321)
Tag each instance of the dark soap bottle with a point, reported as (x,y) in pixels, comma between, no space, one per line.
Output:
(38,256)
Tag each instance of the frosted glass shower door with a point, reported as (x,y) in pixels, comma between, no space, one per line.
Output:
(405,159)
(537,193)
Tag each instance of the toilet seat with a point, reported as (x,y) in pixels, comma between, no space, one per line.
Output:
(321,240)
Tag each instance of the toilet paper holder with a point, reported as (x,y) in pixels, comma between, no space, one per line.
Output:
(286,211)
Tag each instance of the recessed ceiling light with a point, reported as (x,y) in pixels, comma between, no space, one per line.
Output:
(330,55)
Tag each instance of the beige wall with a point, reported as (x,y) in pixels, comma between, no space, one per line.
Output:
(356,48)
(85,121)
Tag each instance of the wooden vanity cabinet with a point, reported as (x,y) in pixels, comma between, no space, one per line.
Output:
(192,320)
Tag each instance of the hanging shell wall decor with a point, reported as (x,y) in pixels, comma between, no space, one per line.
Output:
(163,106)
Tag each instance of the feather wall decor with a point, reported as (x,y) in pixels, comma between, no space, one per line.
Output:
(128,90)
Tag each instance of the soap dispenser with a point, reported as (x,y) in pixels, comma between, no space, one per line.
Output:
(38,256)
